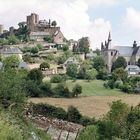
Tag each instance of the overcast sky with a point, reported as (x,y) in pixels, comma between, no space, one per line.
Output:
(78,18)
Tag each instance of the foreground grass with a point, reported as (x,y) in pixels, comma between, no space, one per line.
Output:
(93,88)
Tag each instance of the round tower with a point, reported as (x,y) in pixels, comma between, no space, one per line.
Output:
(1,29)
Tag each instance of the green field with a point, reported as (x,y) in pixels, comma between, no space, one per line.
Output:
(94,87)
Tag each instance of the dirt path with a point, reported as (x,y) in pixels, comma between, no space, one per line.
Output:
(95,106)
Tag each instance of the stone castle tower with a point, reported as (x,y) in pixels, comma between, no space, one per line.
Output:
(32,21)
(1,29)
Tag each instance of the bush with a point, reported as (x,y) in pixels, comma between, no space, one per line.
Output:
(90,74)
(48,111)
(61,90)
(32,89)
(50,57)
(77,89)
(34,50)
(87,121)
(89,133)
(102,74)
(73,115)
(35,75)
(109,84)
(56,79)
(44,66)
(127,88)
(46,89)
(118,84)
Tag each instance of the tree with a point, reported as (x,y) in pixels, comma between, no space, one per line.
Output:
(133,123)
(56,78)
(73,114)
(114,123)
(54,23)
(98,52)
(12,40)
(34,50)
(102,74)
(61,90)
(21,24)
(98,63)
(120,62)
(46,89)
(89,133)
(39,46)
(90,74)
(65,47)
(138,63)
(12,92)
(35,75)
(83,45)
(77,90)
(72,70)
(11,62)
(44,65)
(86,65)
(48,39)
(120,73)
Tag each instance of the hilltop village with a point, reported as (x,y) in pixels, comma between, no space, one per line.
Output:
(52,88)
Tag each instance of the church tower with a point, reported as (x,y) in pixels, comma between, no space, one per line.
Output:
(109,54)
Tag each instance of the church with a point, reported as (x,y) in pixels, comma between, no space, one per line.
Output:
(111,53)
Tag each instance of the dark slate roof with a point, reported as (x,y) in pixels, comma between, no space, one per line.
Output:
(11,50)
(124,50)
(23,65)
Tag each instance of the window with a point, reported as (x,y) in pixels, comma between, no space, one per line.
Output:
(111,53)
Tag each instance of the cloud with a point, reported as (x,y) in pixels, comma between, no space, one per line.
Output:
(102,2)
(132,18)
(71,15)
(130,29)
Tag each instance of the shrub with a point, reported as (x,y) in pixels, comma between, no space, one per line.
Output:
(35,75)
(32,89)
(118,84)
(60,113)
(77,89)
(46,89)
(72,70)
(109,83)
(73,114)
(89,133)
(50,57)
(48,111)
(87,121)
(44,66)
(90,74)
(34,50)
(127,88)
(61,90)
(56,78)
(102,74)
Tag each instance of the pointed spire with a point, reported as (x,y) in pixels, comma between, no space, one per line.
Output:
(109,37)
